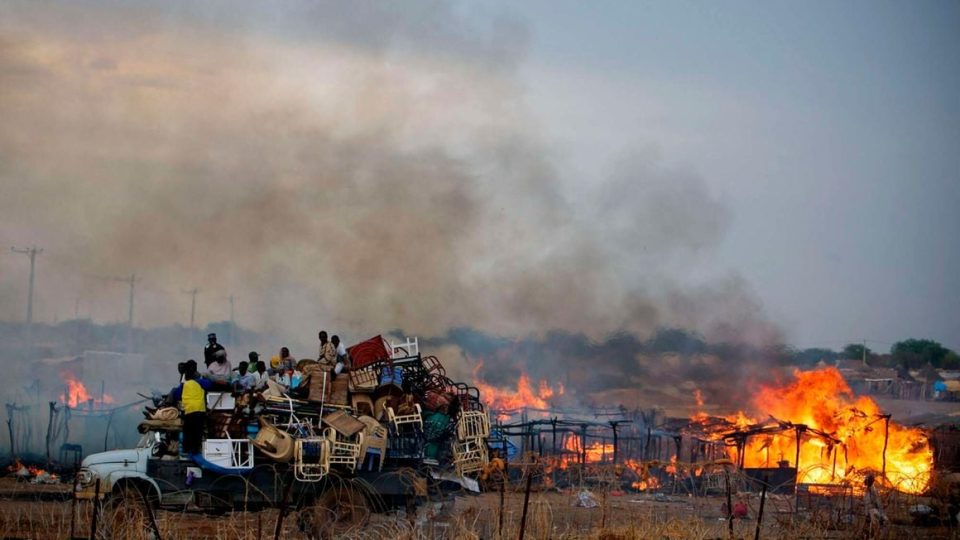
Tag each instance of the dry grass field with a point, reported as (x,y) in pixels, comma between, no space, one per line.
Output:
(551,515)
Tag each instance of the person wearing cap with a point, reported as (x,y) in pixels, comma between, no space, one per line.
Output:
(211,349)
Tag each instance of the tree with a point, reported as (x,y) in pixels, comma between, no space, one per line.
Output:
(951,361)
(915,353)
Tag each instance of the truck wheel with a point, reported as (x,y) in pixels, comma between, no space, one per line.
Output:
(338,510)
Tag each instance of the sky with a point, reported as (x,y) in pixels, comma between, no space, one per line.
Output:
(830,129)
(756,171)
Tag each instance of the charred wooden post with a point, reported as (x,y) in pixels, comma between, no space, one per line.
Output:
(796,462)
(833,472)
(526,502)
(503,488)
(886,437)
(763,498)
(150,515)
(646,447)
(13,442)
(614,426)
(96,509)
(73,502)
(283,508)
(583,444)
(553,429)
(726,481)
(53,409)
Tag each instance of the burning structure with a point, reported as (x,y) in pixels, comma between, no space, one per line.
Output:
(811,430)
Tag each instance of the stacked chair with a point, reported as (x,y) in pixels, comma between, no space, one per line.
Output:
(382,412)
(470,447)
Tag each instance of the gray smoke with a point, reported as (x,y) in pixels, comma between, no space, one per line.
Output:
(354,166)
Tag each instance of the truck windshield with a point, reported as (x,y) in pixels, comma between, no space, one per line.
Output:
(148,438)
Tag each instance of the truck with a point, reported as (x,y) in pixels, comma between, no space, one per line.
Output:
(329,487)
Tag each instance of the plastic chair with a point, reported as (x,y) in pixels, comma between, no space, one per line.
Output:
(275,444)
(375,438)
(469,456)
(414,419)
(343,452)
(311,459)
(473,425)
(362,404)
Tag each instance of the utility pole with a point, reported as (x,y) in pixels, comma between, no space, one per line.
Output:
(31,252)
(131,281)
(864,353)
(193,308)
(233,324)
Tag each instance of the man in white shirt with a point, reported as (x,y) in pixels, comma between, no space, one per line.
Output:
(342,355)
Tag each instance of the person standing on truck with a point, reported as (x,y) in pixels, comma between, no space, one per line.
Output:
(211,350)
(193,401)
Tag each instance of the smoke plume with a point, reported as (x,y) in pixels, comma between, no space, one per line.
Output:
(355,167)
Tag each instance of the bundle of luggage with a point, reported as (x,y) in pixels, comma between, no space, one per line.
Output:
(392,405)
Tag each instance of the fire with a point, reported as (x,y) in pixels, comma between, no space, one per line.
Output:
(596,452)
(526,394)
(822,400)
(31,472)
(76,393)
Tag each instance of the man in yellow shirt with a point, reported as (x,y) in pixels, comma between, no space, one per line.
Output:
(193,401)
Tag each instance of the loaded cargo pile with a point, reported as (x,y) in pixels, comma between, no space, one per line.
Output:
(392,407)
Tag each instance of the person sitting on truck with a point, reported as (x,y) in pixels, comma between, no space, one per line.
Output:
(343,357)
(219,370)
(328,351)
(287,362)
(244,380)
(193,402)
(262,374)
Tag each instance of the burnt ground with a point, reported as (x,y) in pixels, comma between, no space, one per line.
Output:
(42,512)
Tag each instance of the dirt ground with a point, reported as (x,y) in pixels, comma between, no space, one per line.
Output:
(550,515)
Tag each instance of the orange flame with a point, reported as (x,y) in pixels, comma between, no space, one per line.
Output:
(525,395)
(76,393)
(822,400)
(596,452)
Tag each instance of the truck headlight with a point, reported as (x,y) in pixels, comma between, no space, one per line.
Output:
(84,477)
